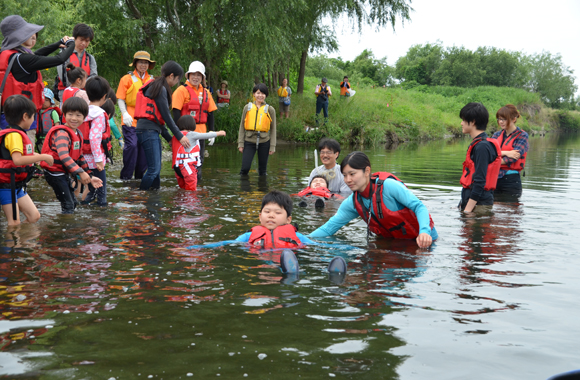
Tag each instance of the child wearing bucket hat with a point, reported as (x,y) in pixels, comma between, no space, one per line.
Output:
(24,77)
(223,95)
(195,100)
(134,160)
(48,116)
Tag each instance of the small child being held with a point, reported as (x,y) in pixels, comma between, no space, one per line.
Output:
(17,157)
(64,144)
(48,116)
(187,161)
(97,138)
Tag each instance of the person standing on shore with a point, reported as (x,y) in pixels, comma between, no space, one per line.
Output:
(223,95)
(134,160)
(323,94)
(284,93)
(344,88)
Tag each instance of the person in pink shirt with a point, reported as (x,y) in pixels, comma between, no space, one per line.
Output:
(97,138)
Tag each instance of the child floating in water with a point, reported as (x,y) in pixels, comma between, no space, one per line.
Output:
(318,189)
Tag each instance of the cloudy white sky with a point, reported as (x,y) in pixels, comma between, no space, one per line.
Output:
(530,26)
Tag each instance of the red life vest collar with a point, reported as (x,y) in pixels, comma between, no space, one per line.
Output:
(280,237)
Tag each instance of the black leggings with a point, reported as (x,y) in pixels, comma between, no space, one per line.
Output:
(510,184)
(248,157)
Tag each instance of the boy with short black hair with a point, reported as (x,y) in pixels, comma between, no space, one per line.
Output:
(17,157)
(482,161)
(275,230)
(83,35)
(96,133)
(64,144)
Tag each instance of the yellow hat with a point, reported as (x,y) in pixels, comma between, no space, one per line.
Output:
(143,55)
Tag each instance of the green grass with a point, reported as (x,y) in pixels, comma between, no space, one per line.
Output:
(376,116)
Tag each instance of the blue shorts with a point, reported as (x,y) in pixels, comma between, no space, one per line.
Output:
(6,198)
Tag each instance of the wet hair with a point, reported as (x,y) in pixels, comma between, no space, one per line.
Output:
(319,176)
(168,68)
(96,88)
(475,112)
(331,144)
(74,73)
(508,112)
(83,30)
(16,106)
(75,104)
(262,87)
(109,108)
(356,160)
(186,123)
(280,198)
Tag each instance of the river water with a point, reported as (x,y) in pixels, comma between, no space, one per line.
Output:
(117,293)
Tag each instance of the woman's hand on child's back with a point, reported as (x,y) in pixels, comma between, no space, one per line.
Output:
(185,142)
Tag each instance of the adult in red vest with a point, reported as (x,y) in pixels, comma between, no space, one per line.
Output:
(83,35)
(383,201)
(514,145)
(24,77)
(482,161)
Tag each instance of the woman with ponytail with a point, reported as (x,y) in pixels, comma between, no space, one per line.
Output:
(153,115)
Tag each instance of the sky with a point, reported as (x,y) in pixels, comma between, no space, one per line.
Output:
(529,26)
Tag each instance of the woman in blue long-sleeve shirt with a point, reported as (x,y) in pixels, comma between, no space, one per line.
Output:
(395,211)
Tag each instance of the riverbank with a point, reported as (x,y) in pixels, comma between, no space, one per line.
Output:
(388,116)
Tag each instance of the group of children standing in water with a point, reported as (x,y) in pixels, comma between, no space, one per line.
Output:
(79,146)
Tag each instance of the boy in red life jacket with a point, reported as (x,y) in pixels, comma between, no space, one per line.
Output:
(16,158)
(64,143)
(483,159)
(48,116)
(318,188)
(187,161)
(96,133)
(275,230)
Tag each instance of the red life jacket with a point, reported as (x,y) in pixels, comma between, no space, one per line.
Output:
(492,168)
(280,237)
(401,224)
(222,100)
(74,59)
(45,121)
(33,91)
(85,130)
(69,92)
(182,158)
(318,192)
(11,174)
(194,108)
(145,108)
(508,144)
(74,152)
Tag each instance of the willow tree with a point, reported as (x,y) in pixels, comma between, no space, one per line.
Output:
(378,13)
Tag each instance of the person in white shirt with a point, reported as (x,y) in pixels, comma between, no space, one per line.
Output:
(329,150)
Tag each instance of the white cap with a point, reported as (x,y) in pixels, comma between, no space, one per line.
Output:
(194,67)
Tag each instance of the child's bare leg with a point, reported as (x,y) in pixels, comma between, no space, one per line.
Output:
(8,212)
(29,209)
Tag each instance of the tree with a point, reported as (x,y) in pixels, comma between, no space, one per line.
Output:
(552,79)
(420,63)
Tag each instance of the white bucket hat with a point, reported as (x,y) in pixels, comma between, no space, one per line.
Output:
(195,67)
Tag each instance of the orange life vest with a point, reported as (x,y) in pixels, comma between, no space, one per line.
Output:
(33,91)
(74,59)
(74,149)
(69,92)
(9,172)
(492,168)
(318,192)
(280,237)
(508,144)
(197,110)
(145,107)
(401,224)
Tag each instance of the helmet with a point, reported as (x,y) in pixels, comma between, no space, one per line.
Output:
(194,67)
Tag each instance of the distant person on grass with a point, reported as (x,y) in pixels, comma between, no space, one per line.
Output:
(284,93)
(323,94)
(344,88)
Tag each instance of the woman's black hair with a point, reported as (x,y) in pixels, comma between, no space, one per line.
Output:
(186,123)
(109,108)
(356,160)
(318,176)
(168,68)
(262,87)
(74,73)
(75,104)
(96,88)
